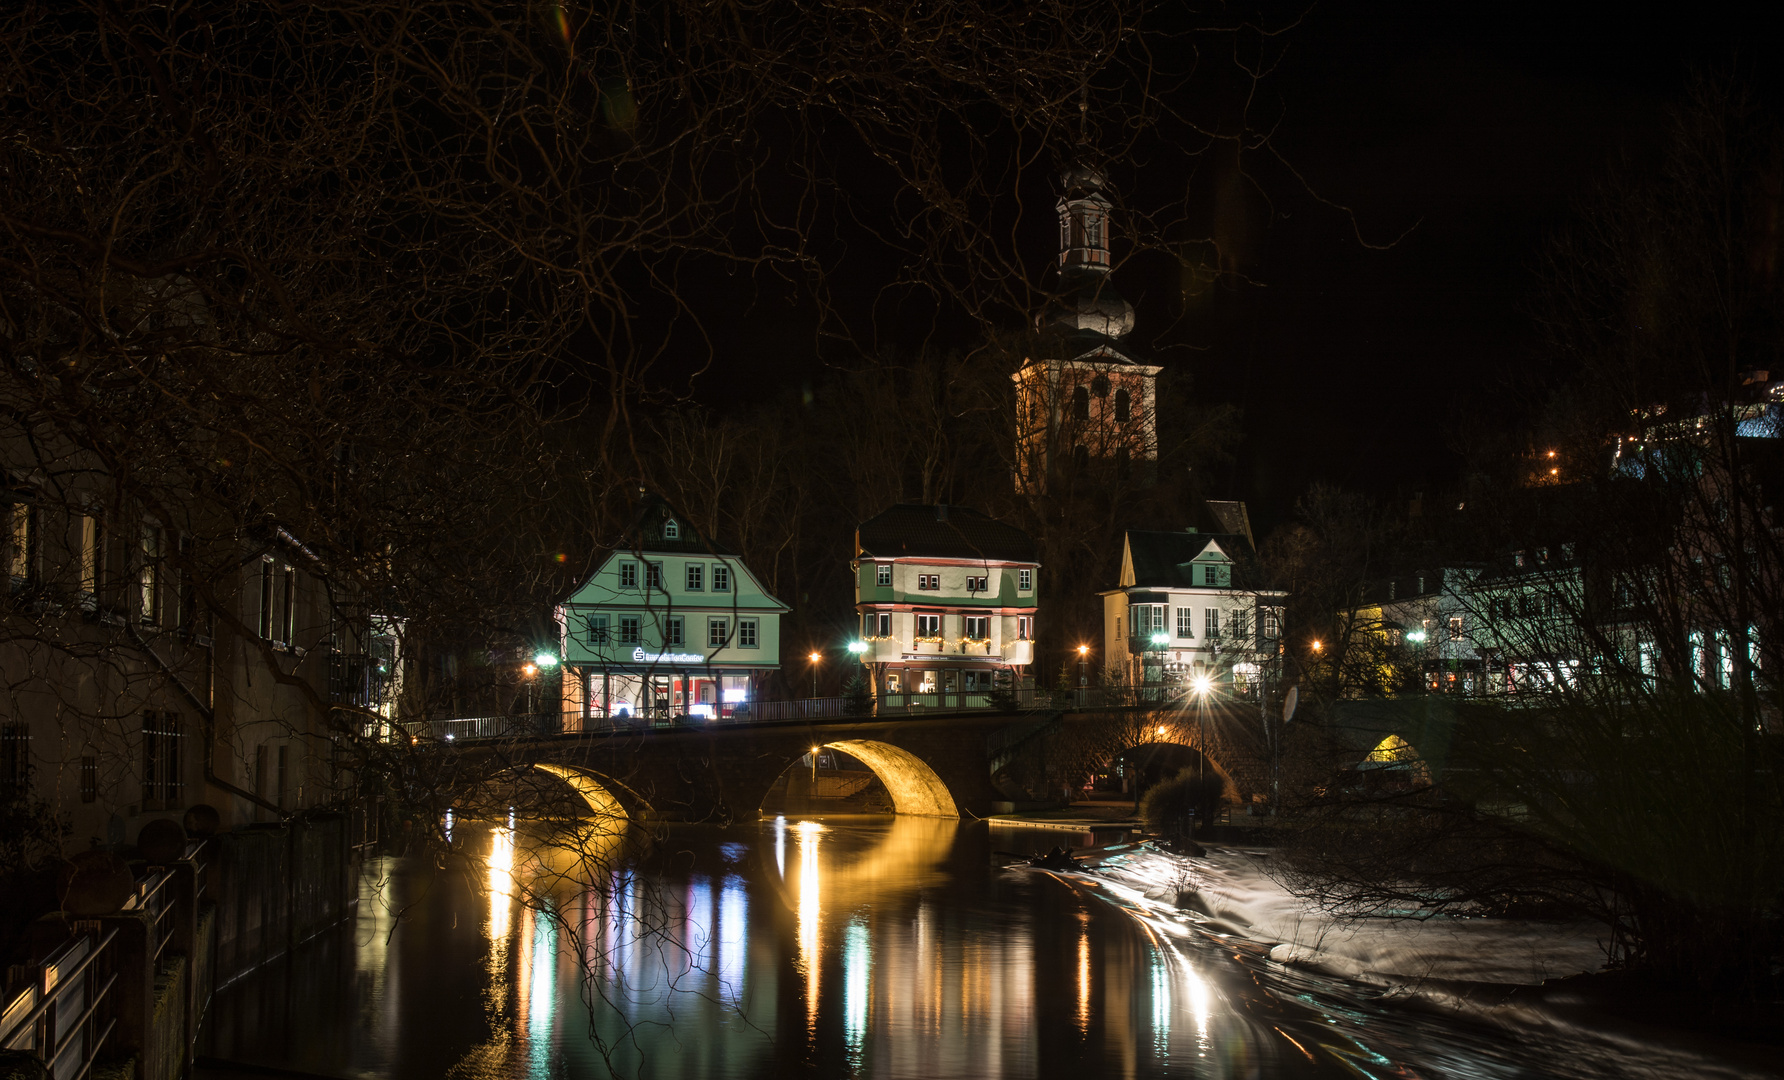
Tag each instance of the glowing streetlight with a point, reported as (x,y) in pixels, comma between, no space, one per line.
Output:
(529,670)
(1202,685)
(1316,645)
(858,647)
(1083,676)
(814,658)
(1161,639)
(1082,649)
(546,660)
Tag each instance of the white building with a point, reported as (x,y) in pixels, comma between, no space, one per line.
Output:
(1184,612)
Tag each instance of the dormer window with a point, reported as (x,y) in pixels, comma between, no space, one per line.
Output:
(671,531)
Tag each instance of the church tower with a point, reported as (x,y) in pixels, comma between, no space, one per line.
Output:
(1085,404)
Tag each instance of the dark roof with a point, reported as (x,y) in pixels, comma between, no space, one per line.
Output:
(1161,558)
(941,532)
(645,533)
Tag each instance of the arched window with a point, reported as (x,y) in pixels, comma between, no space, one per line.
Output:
(1123,405)
(1080,404)
(1100,386)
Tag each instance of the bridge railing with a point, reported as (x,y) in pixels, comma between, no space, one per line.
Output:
(527,725)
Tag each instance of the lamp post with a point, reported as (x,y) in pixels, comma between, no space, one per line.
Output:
(858,649)
(1083,676)
(814,658)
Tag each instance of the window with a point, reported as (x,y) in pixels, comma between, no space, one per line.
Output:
(718,631)
(885,624)
(929,582)
(15,759)
(1186,622)
(628,629)
(266,599)
(161,736)
(89,779)
(653,576)
(975,584)
(1025,580)
(1081,404)
(1455,628)
(746,633)
(671,530)
(696,577)
(628,575)
(977,627)
(721,577)
(929,626)
(22,541)
(1211,622)
(882,574)
(1025,627)
(597,629)
(1241,625)
(1100,386)
(672,632)
(1149,619)
(1123,405)
(89,554)
(288,606)
(149,576)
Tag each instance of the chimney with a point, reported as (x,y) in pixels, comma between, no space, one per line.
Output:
(941,511)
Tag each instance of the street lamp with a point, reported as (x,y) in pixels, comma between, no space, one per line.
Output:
(1202,684)
(1083,678)
(814,658)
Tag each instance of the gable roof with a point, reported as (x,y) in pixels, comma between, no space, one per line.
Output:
(645,533)
(914,530)
(1161,560)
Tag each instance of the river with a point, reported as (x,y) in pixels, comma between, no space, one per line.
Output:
(835,947)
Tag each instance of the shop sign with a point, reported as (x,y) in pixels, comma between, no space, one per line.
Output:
(639,656)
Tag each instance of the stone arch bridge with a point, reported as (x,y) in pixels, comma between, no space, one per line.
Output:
(946,765)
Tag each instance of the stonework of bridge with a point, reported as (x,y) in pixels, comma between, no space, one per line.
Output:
(951,765)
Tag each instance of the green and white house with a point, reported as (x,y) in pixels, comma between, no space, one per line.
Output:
(1184,612)
(947,600)
(670,624)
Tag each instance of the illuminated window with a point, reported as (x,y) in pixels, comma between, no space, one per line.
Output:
(1025,627)
(1272,623)
(149,576)
(696,577)
(1241,625)
(671,531)
(882,574)
(1186,619)
(1455,628)
(628,575)
(721,577)
(929,626)
(1025,580)
(746,633)
(885,624)
(1211,622)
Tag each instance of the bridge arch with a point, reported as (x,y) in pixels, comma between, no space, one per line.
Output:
(913,784)
(594,789)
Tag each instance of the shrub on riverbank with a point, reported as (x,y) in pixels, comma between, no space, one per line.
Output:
(1173,806)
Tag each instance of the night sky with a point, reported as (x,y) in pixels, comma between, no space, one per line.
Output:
(1474,126)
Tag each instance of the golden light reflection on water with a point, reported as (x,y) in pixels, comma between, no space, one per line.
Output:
(809,910)
(1083,973)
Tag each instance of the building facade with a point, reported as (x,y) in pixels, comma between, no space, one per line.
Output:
(947,599)
(1185,614)
(669,624)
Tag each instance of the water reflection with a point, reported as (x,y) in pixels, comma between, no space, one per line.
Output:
(872,948)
